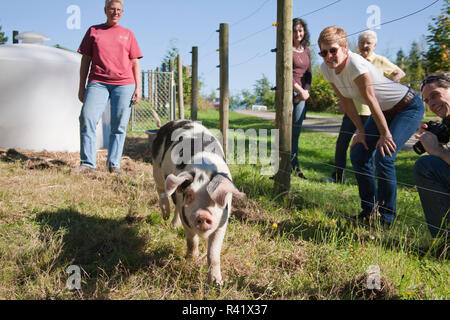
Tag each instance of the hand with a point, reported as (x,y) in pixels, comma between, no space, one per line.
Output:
(136,96)
(386,145)
(359,138)
(430,142)
(81,93)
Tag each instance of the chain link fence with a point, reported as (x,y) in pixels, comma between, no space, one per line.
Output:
(158,101)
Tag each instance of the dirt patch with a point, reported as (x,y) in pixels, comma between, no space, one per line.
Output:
(358,288)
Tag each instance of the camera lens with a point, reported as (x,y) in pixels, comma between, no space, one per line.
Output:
(418,148)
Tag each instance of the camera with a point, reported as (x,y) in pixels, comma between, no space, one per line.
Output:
(441,130)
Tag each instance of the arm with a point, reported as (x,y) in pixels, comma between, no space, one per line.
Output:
(84,70)
(350,110)
(137,78)
(385,142)
(397,74)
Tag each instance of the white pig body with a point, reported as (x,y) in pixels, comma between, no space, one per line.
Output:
(189,166)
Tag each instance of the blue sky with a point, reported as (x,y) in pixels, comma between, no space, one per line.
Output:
(190,23)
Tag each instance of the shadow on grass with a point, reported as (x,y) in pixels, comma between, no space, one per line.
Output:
(137,148)
(104,248)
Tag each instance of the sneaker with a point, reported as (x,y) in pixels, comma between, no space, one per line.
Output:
(116,170)
(329,180)
(82,170)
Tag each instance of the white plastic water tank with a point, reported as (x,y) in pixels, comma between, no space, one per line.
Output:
(39,106)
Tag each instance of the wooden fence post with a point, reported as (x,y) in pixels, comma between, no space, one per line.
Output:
(194,87)
(283,95)
(180,88)
(224,84)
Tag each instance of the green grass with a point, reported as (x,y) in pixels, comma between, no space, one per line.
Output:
(297,246)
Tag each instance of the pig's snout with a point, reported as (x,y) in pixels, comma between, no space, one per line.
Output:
(204,221)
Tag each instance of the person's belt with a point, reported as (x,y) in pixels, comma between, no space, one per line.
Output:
(399,106)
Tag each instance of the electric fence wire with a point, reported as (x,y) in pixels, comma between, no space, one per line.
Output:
(369,224)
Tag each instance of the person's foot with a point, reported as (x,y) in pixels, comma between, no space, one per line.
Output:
(299,174)
(82,170)
(329,180)
(116,170)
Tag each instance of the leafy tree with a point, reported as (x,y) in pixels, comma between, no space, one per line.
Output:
(3,39)
(263,92)
(401,58)
(247,98)
(413,65)
(173,53)
(322,96)
(438,41)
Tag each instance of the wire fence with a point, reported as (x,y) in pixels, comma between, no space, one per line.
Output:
(157,106)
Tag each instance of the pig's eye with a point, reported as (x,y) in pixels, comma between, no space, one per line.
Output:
(189,196)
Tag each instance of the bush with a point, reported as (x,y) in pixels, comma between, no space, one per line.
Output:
(322,96)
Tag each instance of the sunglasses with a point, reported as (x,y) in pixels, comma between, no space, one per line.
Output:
(324,53)
(431,79)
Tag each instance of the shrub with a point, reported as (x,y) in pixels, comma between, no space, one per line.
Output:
(322,96)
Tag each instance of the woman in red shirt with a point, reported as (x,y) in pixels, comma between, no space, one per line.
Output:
(302,77)
(112,54)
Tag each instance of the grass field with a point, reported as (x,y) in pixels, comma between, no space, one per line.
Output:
(297,246)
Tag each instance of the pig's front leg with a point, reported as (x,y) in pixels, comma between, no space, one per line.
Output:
(176,222)
(214,249)
(164,203)
(192,245)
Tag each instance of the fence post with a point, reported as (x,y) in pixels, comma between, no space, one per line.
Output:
(283,95)
(156,89)
(143,84)
(194,88)
(15,33)
(224,84)
(150,88)
(180,88)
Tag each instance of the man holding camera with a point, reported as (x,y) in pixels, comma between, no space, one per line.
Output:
(432,172)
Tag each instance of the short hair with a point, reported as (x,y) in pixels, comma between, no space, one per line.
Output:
(108,2)
(333,34)
(305,41)
(370,34)
(442,79)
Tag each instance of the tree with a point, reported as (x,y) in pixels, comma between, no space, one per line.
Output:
(438,41)
(401,58)
(173,53)
(263,92)
(3,39)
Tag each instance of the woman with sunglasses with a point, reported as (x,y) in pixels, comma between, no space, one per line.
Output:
(112,54)
(396,112)
(302,76)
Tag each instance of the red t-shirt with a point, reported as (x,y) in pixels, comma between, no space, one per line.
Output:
(111,50)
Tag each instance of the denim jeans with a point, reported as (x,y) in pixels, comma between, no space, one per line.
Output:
(298,115)
(345,136)
(433,184)
(402,126)
(96,98)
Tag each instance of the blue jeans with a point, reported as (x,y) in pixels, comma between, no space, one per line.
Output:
(433,184)
(298,115)
(96,98)
(402,126)
(345,136)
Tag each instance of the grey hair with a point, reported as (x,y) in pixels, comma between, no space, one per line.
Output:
(368,34)
(108,2)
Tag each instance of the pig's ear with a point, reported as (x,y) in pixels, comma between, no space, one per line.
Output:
(219,188)
(173,182)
